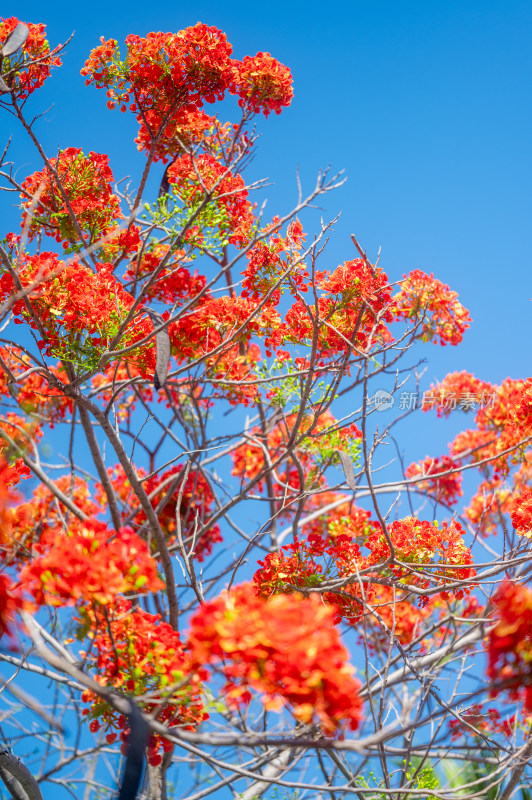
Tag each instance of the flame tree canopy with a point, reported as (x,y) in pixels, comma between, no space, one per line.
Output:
(221,542)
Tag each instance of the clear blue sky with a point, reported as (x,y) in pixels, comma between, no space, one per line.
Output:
(426,106)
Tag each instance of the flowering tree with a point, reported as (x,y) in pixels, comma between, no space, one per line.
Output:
(218,576)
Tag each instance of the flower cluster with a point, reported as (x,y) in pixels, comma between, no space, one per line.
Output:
(35,394)
(212,326)
(316,444)
(71,196)
(485,509)
(233,373)
(326,524)
(418,543)
(10,603)
(197,501)
(16,435)
(519,425)
(42,513)
(351,311)
(446,489)
(197,504)
(166,78)
(172,283)
(392,614)
(287,648)
(10,595)
(262,83)
(485,721)
(506,423)
(471,391)
(472,444)
(426,301)
(336,556)
(311,561)
(88,565)
(522,513)
(269,261)
(28,68)
(114,382)
(510,642)
(79,310)
(204,182)
(138,653)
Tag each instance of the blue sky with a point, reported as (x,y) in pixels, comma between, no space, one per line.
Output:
(426,106)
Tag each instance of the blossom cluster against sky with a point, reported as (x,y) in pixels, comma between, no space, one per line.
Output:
(424,105)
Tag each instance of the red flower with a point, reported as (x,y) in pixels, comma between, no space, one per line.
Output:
(86,181)
(165,78)
(174,283)
(89,565)
(446,489)
(458,390)
(510,641)
(402,619)
(352,310)
(22,79)
(272,258)
(317,448)
(10,602)
(418,542)
(262,83)
(203,178)
(491,500)
(43,512)
(137,652)
(286,648)
(522,513)
(196,505)
(81,311)
(424,299)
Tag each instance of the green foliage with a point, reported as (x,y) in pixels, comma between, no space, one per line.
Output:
(206,229)
(285,392)
(460,774)
(326,446)
(415,778)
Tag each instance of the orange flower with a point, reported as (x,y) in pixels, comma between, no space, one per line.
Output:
(418,542)
(86,181)
(286,648)
(89,565)
(28,68)
(446,489)
(510,641)
(424,299)
(137,652)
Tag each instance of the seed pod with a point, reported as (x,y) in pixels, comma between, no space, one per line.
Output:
(162,343)
(348,469)
(15,40)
